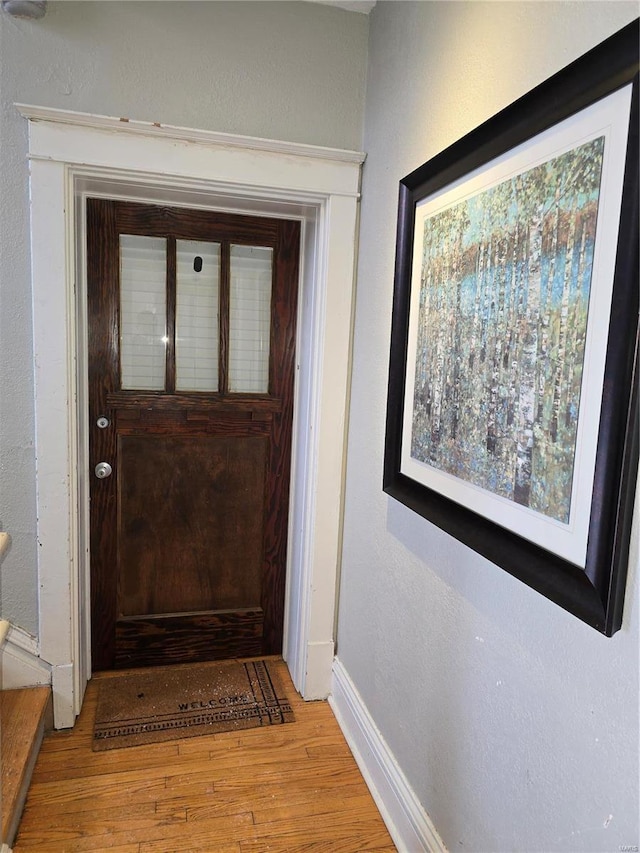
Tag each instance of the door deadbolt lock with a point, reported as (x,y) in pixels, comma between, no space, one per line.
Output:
(102,423)
(102,470)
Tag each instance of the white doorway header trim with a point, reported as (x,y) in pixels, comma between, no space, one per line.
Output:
(73,155)
(188,134)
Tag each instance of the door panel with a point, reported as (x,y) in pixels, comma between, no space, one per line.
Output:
(162,640)
(184,499)
(188,534)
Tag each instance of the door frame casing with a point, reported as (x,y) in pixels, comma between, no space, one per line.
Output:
(73,155)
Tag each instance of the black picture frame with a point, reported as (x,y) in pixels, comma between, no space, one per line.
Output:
(594,592)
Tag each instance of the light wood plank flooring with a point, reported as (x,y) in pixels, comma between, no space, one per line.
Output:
(281,789)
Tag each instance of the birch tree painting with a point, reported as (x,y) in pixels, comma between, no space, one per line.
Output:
(502,322)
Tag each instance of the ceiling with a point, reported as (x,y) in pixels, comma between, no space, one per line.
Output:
(364,6)
(37,8)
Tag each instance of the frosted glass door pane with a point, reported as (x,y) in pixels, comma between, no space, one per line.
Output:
(250,319)
(197,309)
(143,312)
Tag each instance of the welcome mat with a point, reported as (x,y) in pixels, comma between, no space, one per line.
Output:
(165,703)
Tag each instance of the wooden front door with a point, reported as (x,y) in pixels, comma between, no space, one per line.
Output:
(191,369)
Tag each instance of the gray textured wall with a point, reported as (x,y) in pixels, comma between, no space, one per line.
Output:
(292,71)
(515,723)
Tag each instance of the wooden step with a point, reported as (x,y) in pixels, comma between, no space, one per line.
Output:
(25,714)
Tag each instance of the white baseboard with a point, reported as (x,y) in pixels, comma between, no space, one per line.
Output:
(20,665)
(409,825)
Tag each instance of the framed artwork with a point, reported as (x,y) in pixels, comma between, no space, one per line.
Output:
(512,416)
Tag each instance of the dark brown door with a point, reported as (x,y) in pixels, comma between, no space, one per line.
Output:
(191,369)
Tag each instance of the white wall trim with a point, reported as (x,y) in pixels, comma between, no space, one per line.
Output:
(5,541)
(73,155)
(20,664)
(169,131)
(19,638)
(319,657)
(409,825)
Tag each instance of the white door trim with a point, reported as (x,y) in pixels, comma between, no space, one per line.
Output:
(73,155)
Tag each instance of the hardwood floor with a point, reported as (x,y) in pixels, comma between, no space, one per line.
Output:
(294,787)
